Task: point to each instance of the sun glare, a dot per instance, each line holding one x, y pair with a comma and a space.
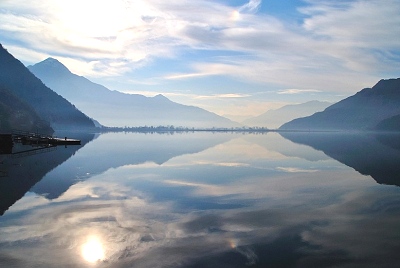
92, 250
235, 15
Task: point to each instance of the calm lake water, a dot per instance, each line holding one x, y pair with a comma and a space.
204, 200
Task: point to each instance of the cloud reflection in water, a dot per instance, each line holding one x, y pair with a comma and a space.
180, 214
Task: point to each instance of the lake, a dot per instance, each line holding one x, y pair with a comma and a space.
204, 199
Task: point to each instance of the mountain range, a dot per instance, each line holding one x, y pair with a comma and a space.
26, 103
25, 92
369, 109
113, 108
275, 118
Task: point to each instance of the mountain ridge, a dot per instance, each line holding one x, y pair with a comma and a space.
50, 106
277, 117
117, 109
361, 111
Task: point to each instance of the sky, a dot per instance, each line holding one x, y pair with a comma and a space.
236, 58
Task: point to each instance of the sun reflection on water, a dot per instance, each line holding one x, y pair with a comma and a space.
232, 243
92, 250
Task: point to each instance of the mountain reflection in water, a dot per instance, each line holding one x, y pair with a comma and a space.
208, 200
374, 154
28, 165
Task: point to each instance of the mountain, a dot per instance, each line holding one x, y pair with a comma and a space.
362, 111
16, 114
113, 108
275, 118
51, 107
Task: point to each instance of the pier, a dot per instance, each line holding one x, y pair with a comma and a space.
36, 140
27, 138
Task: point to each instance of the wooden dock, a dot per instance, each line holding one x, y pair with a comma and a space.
43, 140
65, 141
7, 141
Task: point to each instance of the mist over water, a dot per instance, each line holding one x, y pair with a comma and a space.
204, 200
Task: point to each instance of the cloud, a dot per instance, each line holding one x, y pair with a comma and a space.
251, 6
354, 40
185, 76
105, 32
223, 96
287, 71
297, 91
296, 170
358, 32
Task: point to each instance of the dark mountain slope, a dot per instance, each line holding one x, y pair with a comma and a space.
364, 110
50, 106
113, 108
15, 114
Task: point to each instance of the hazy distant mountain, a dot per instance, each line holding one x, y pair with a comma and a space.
16, 114
364, 110
275, 118
113, 108
50, 106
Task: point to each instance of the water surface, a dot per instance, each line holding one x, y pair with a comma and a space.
204, 200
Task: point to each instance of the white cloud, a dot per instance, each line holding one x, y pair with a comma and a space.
222, 96
296, 170
297, 91
363, 34
187, 75
338, 47
251, 6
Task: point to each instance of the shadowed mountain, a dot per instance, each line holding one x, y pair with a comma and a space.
19, 172
113, 108
376, 155
275, 118
16, 114
364, 110
50, 106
